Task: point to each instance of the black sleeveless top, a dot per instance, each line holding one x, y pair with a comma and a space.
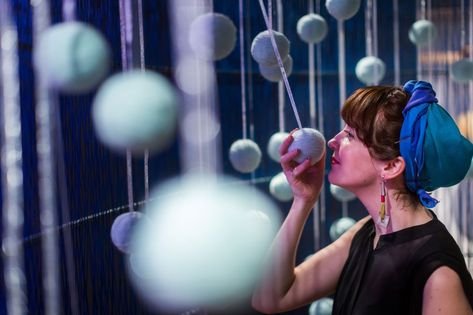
390, 279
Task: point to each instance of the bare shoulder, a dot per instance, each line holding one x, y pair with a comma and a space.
444, 294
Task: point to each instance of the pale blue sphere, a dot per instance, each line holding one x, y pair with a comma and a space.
462, 70
72, 57
422, 32
469, 174
279, 188
323, 306
273, 73
311, 143
370, 70
212, 36
340, 226
122, 229
135, 110
312, 28
245, 155
262, 49
341, 194
274, 145
342, 9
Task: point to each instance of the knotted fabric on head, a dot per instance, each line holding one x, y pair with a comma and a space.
435, 152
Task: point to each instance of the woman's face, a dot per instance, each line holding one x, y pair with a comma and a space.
352, 167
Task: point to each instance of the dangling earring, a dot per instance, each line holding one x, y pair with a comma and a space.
383, 219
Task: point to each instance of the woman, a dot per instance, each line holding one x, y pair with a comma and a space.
396, 145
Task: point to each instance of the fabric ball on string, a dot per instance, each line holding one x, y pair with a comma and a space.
370, 70
245, 155
462, 70
312, 28
274, 144
273, 73
135, 110
279, 188
122, 229
310, 142
212, 36
262, 49
204, 231
342, 9
341, 194
422, 32
72, 57
340, 226
323, 306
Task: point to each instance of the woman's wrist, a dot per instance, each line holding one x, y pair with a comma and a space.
306, 203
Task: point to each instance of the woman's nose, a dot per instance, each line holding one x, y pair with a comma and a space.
332, 144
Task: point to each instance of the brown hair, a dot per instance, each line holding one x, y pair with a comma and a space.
375, 113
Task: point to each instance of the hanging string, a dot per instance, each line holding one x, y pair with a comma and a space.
397, 58
45, 125
375, 29
249, 73
341, 65
312, 114
69, 10
281, 96
368, 28
11, 167
420, 13
242, 69
281, 66
429, 47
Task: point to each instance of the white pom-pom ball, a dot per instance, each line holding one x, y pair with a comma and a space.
342, 9
323, 306
469, 174
340, 226
122, 229
274, 144
212, 36
245, 155
462, 70
341, 194
422, 32
279, 187
312, 28
273, 73
370, 70
72, 57
262, 49
205, 244
310, 142
135, 110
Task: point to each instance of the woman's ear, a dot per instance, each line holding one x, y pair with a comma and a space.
394, 168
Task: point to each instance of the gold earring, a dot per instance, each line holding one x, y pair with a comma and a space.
382, 210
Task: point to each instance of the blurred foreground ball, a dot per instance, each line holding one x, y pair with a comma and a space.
273, 73
341, 194
462, 70
245, 155
312, 28
135, 110
262, 49
342, 9
469, 174
422, 32
122, 229
206, 243
370, 70
340, 226
311, 143
279, 187
323, 306
274, 144
72, 57
212, 36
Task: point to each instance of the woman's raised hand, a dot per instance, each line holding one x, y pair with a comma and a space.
305, 180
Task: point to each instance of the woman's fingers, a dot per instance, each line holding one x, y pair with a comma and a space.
287, 158
299, 169
286, 143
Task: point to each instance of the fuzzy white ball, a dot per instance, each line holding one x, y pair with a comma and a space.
245, 155
273, 73
262, 49
212, 36
342, 9
323, 306
340, 226
274, 144
462, 70
370, 70
311, 143
135, 110
341, 194
422, 32
312, 28
279, 187
72, 57
205, 244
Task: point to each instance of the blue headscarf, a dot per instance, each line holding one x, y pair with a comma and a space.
435, 152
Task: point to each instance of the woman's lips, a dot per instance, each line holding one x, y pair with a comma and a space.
334, 161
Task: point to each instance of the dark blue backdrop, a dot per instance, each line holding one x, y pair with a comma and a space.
96, 177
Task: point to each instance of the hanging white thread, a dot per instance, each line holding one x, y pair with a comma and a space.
242, 68
397, 59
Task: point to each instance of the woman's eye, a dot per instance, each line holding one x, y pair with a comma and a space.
349, 134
